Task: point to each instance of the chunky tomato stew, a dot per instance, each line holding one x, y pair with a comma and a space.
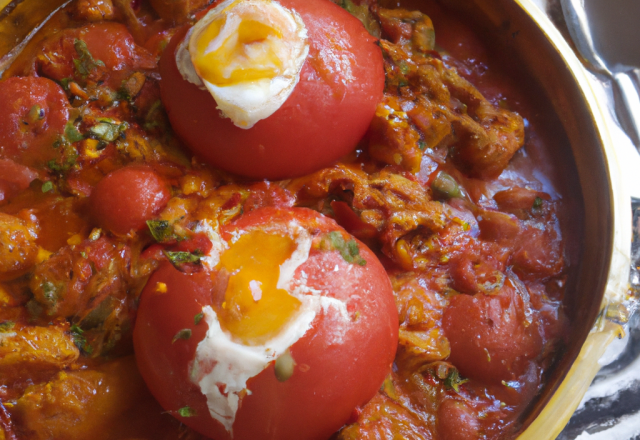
410, 289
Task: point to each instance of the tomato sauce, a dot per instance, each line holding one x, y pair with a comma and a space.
452, 187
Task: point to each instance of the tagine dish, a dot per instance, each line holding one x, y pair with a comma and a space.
261, 219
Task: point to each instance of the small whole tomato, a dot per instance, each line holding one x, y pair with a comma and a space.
126, 198
293, 327
326, 115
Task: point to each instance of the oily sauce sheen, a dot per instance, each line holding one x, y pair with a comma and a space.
451, 188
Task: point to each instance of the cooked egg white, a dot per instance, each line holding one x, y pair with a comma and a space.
222, 359
248, 54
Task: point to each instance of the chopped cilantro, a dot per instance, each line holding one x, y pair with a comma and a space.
453, 380
80, 340
108, 130
186, 411
184, 334
198, 318
161, 230
6, 326
64, 82
47, 186
349, 250
50, 291
537, 203
178, 258
86, 63
71, 133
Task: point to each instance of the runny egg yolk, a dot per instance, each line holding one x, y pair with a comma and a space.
247, 55
253, 308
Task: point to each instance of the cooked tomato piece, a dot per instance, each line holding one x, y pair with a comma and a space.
92, 50
126, 198
323, 119
13, 178
490, 337
34, 112
292, 329
457, 421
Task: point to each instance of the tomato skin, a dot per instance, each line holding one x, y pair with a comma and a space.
488, 336
321, 121
330, 379
14, 178
126, 198
108, 42
23, 137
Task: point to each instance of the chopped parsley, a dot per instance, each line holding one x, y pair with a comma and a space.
184, 334
453, 380
47, 186
71, 133
537, 203
186, 411
108, 130
178, 258
85, 63
6, 326
162, 231
198, 318
80, 340
349, 250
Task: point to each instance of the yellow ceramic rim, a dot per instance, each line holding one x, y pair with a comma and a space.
556, 414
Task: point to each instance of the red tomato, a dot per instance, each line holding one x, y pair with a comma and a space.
489, 338
126, 198
34, 112
13, 178
322, 120
108, 43
340, 361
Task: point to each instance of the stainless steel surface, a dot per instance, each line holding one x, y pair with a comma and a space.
623, 78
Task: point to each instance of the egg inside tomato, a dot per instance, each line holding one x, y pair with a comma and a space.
290, 326
272, 89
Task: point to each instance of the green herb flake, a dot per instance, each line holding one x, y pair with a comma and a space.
79, 339
64, 82
6, 326
537, 203
47, 186
161, 230
422, 145
198, 318
177, 258
183, 334
71, 133
186, 411
349, 250
50, 291
453, 380
108, 130
86, 63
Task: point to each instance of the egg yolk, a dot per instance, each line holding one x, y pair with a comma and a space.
248, 54
254, 309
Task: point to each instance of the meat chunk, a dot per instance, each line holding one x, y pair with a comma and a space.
383, 418
446, 110
421, 338
391, 203
94, 10
28, 350
18, 248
